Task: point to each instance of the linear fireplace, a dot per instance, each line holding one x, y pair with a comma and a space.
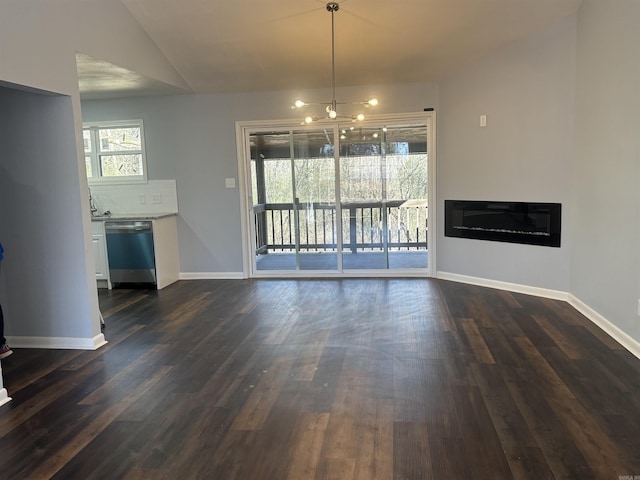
514, 222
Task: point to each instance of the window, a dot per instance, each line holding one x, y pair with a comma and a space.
114, 151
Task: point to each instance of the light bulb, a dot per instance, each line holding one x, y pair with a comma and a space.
373, 102
360, 117
332, 114
298, 104
308, 120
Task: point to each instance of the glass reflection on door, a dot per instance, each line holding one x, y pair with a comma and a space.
383, 197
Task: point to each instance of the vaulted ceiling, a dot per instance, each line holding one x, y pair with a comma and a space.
262, 45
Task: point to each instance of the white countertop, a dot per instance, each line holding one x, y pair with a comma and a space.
131, 216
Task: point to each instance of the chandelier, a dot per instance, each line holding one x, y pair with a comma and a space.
331, 109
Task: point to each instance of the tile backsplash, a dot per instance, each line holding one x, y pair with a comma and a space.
155, 196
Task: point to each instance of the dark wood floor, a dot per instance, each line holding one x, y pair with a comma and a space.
327, 379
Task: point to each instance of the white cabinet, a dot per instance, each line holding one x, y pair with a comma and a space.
99, 242
101, 261
165, 244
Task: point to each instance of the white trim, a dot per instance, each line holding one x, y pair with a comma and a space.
4, 396
244, 190
70, 343
99, 340
615, 332
133, 122
512, 287
432, 209
96, 153
628, 342
211, 276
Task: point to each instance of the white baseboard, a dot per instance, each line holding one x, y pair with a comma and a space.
632, 345
99, 341
4, 396
67, 343
511, 287
616, 333
211, 275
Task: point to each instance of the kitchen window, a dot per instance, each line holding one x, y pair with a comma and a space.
114, 151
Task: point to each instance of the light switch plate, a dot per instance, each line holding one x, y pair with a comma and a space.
230, 182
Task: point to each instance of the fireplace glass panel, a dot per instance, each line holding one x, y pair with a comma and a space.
513, 222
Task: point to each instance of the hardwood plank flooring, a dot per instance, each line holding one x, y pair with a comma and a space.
326, 379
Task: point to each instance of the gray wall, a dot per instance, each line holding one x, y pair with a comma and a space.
44, 274
192, 139
605, 270
523, 154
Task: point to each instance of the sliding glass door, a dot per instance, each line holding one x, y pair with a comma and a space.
338, 198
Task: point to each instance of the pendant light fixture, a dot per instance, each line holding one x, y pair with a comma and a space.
331, 109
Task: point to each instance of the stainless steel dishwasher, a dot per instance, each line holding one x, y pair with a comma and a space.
130, 251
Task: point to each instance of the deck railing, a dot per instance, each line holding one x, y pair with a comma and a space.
366, 226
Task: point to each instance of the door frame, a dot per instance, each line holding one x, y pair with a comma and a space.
243, 128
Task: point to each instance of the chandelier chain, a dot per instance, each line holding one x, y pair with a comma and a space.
332, 108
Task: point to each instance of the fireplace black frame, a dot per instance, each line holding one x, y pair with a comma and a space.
513, 222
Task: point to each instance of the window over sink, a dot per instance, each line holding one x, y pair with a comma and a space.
114, 152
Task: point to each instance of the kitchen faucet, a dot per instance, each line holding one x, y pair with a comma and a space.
91, 204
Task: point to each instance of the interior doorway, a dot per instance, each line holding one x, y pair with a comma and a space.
335, 199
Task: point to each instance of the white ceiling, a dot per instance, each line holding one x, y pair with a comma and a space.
261, 45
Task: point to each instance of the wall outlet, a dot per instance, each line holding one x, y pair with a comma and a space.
142, 199
156, 199
230, 182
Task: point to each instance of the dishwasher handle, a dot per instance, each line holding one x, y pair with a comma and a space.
127, 227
